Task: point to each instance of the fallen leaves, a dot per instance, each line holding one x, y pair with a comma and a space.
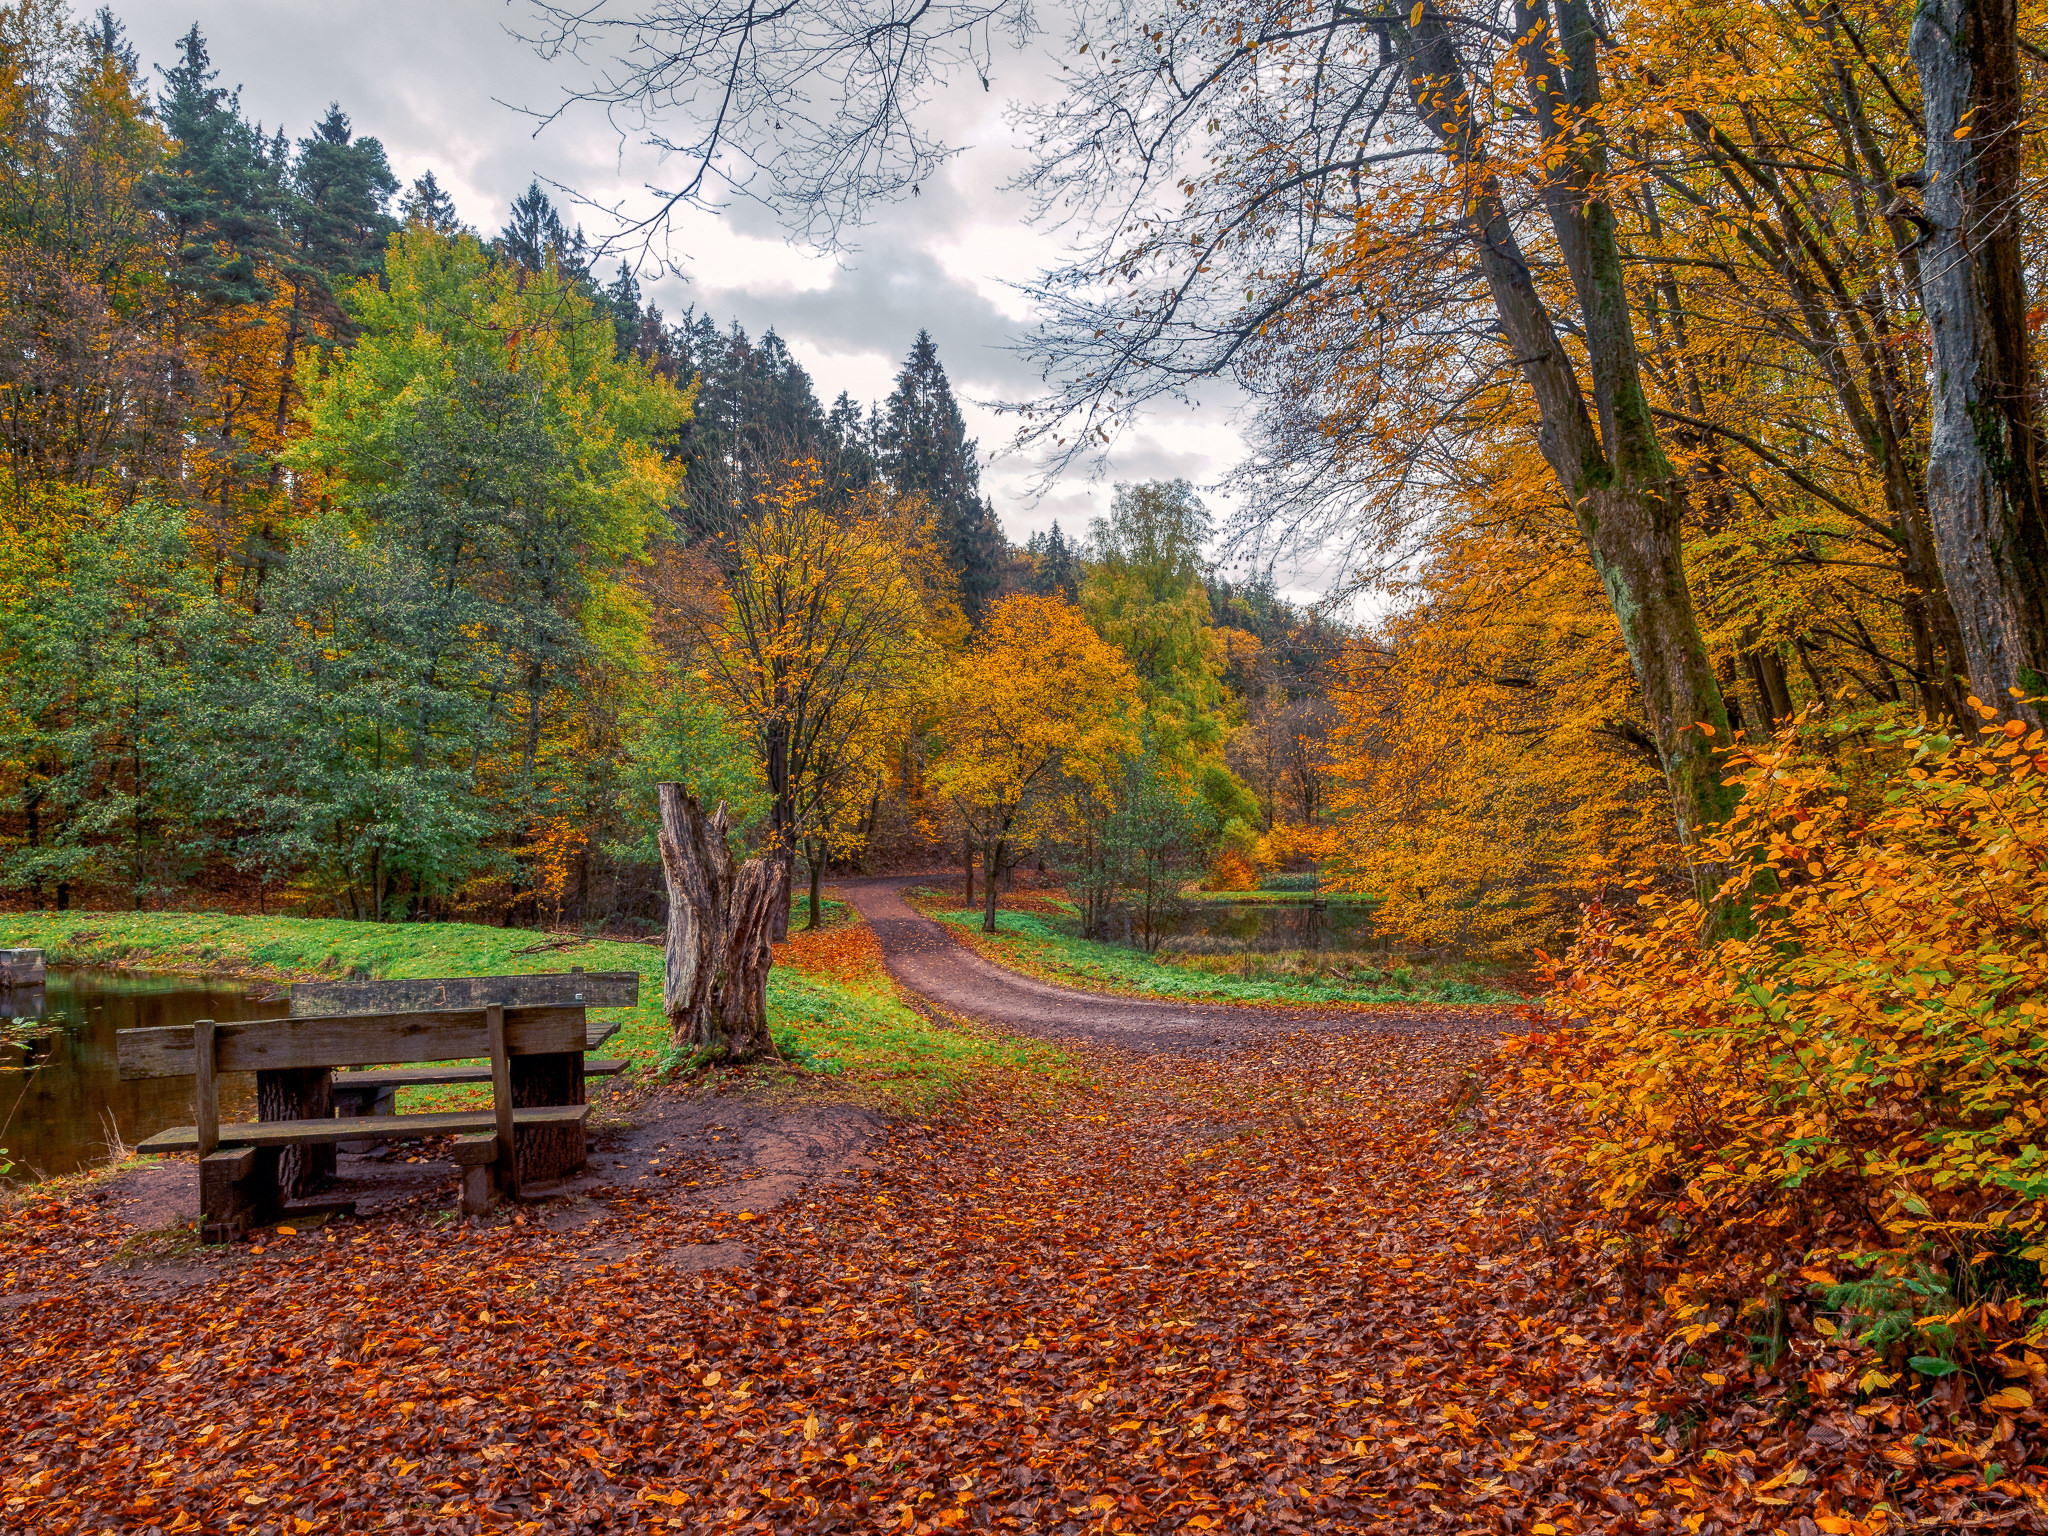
1081, 1310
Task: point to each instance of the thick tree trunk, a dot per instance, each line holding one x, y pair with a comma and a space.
970, 875
1984, 492
720, 922
991, 861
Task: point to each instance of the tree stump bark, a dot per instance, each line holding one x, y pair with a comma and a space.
297, 1093
720, 927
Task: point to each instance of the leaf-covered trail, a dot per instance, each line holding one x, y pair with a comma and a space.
1278, 1290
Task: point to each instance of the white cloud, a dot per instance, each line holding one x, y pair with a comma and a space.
428, 80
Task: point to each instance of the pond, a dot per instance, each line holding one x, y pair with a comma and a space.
62, 1101
1234, 927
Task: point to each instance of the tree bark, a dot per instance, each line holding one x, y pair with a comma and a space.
991, 861
970, 874
720, 926
1984, 492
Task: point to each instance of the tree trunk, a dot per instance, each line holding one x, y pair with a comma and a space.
1984, 493
969, 905
1624, 492
992, 860
719, 946
817, 863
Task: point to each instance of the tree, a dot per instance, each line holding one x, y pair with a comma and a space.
535, 237
1056, 569
817, 100
1037, 706
221, 190
1144, 594
827, 619
755, 411
924, 449
715, 983
1135, 844
427, 203
1983, 472
1461, 181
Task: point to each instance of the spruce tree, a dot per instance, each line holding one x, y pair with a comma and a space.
427, 204
219, 191
756, 410
535, 235
924, 448
343, 184
1055, 565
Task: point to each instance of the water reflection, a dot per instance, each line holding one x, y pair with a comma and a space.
1269, 927
61, 1097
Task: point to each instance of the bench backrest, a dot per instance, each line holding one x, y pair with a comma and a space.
577, 988
349, 1040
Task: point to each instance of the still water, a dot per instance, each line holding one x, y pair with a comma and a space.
61, 1096
1265, 927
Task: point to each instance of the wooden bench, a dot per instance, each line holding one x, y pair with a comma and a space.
531, 1029
544, 1154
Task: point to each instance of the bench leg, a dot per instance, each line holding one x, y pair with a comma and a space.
231, 1194
556, 1151
476, 1189
476, 1156
298, 1093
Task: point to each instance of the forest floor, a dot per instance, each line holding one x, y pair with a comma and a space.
1324, 1279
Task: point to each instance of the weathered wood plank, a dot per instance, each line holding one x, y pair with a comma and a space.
599, 1031
593, 989
284, 1133
501, 1099
351, 1040
377, 1079
205, 1052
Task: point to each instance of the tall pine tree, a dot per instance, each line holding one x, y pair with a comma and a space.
924, 447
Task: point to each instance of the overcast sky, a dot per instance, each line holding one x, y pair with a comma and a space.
426, 77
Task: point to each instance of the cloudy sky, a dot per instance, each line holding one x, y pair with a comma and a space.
427, 78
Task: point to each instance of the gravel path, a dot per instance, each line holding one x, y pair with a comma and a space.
930, 962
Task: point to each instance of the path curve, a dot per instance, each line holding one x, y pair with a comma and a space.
930, 962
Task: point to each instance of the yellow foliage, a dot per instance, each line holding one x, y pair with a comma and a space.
1040, 703
1486, 756
1868, 1058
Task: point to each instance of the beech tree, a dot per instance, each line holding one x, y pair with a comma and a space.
1984, 484
1038, 703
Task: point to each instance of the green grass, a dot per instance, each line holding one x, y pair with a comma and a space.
855, 1029
1048, 947
866, 1032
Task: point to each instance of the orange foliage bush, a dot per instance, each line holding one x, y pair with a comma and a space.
1231, 871
1861, 1065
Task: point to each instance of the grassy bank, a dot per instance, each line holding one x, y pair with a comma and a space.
1045, 944
839, 1022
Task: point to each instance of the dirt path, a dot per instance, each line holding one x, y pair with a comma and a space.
931, 963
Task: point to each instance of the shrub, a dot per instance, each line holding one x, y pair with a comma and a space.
1231, 871
1860, 1062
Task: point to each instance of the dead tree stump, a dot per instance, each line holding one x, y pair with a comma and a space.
720, 922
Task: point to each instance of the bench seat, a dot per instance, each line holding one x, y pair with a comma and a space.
305, 1133
596, 1032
